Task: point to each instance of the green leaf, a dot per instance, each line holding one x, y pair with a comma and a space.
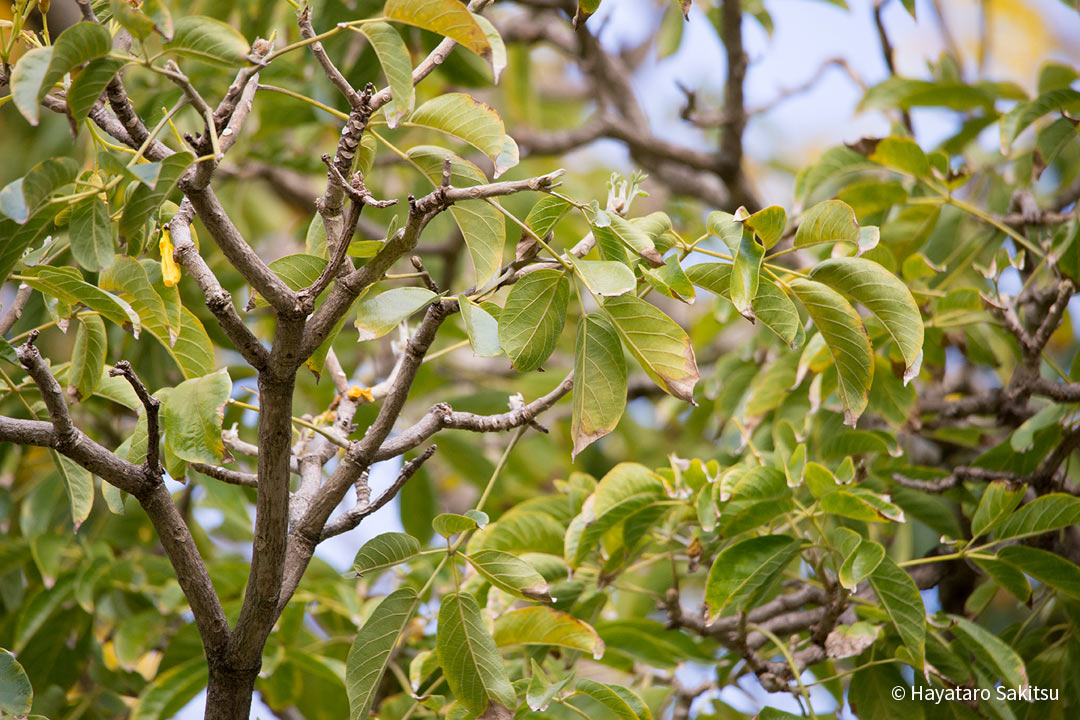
66, 283
861, 563
466, 119
771, 305
87, 85
546, 213
901, 154
385, 551
482, 329
481, 224
27, 82
742, 573
992, 652
671, 280
22, 198
900, 597
380, 314
80, 487
396, 63
508, 573
209, 40
660, 346
997, 503
16, 694
470, 660
171, 690
93, 234
449, 18
605, 277
883, 294
624, 703
129, 279
533, 318
829, 221
144, 201
372, 648
1046, 567
599, 381
1043, 514
87, 356
191, 415
847, 340
768, 224
192, 351
80, 43
521, 531
541, 690
746, 274
448, 524
635, 238
1023, 114
540, 625
859, 503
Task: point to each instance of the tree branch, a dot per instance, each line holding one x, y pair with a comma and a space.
152, 406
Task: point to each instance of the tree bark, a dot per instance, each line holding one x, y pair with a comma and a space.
228, 694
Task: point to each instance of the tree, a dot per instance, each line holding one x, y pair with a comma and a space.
854, 461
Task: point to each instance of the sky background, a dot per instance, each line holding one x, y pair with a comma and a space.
1024, 34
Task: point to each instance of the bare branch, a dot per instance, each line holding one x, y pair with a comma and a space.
15, 310
152, 406
233, 477
332, 73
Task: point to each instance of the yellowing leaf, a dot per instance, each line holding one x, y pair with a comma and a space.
449, 18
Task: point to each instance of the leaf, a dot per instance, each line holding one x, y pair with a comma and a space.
861, 563
448, 524
191, 416
604, 277
466, 119
482, 329
624, 703
742, 573
768, 224
745, 274
847, 641
498, 58
192, 351
26, 82
902, 154
599, 381
471, 663
87, 356
541, 690
129, 279
396, 63
540, 625
546, 213
660, 346
533, 318
521, 531
209, 40
80, 487
93, 234
66, 283
144, 201
829, 221
898, 594
1046, 567
1043, 514
385, 551
1023, 114
22, 198
508, 573
481, 224
449, 18
883, 294
997, 503
635, 238
846, 339
79, 43
771, 305
671, 280
372, 648
16, 694
992, 652
859, 503
171, 690
380, 314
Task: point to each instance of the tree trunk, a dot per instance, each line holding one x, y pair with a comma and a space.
228, 694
